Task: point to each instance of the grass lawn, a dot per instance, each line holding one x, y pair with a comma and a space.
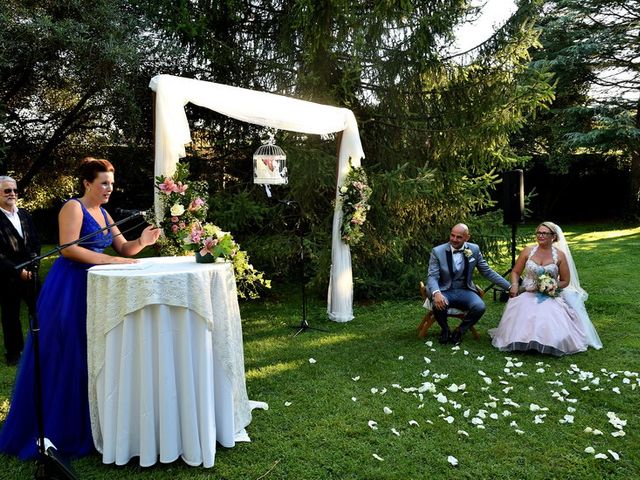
512, 416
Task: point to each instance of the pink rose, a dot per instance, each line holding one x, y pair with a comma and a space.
174, 228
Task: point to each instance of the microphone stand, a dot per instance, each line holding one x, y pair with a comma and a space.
50, 466
304, 324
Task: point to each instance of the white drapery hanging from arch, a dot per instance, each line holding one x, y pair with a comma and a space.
269, 110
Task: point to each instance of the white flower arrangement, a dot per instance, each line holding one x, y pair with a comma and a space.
547, 285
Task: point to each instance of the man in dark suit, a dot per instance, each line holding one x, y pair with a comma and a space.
18, 243
450, 281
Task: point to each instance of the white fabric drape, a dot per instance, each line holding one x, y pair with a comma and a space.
269, 110
573, 293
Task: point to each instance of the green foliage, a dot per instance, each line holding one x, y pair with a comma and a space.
435, 131
75, 89
591, 46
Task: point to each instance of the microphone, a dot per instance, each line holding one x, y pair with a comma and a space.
123, 212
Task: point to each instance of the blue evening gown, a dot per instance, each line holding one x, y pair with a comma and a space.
62, 312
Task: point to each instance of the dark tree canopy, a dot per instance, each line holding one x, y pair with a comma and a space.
436, 129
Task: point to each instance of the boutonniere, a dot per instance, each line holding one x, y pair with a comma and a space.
467, 252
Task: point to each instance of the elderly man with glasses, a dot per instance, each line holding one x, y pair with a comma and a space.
19, 242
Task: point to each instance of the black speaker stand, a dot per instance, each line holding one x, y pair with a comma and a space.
514, 228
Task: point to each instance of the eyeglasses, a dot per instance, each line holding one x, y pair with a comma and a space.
7, 191
544, 234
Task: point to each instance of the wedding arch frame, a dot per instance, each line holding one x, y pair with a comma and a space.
172, 133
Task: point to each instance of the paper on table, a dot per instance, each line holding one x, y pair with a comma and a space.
122, 266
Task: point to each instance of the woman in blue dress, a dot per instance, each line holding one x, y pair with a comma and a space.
62, 309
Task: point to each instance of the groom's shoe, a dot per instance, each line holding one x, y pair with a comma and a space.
444, 337
456, 337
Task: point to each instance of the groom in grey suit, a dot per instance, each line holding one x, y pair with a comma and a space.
450, 281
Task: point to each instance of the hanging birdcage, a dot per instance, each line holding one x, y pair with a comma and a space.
270, 165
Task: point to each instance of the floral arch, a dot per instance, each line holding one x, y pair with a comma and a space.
269, 110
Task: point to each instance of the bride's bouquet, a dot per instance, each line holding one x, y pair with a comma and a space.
547, 285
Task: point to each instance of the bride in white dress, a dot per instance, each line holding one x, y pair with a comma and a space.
546, 322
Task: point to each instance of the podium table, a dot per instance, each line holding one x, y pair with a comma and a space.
166, 362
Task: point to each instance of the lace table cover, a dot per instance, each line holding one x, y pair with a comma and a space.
208, 290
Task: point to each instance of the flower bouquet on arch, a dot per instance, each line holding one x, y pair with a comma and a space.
354, 198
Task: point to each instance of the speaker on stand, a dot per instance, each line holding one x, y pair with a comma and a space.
513, 205
513, 213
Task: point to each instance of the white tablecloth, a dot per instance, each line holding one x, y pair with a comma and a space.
166, 362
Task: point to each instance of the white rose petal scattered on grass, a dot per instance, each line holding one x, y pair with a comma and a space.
378, 457
449, 419
481, 373
519, 432
566, 419
616, 390
354, 399
401, 357
601, 455
427, 360
395, 432
597, 432
387, 411
487, 380
287, 404
588, 430
462, 432
452, 460
312, 360
429, 343
455, 348
618, 433
374, 390
614, 455
590, 450
480, 358
441, 398
413, 423
355, 379
373, 425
